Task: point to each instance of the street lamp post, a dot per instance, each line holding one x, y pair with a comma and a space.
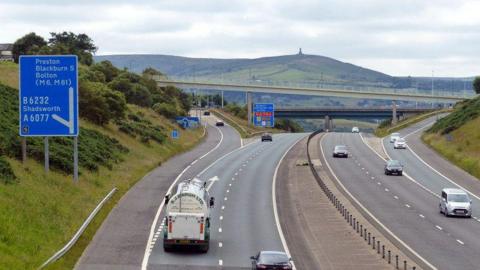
432, 87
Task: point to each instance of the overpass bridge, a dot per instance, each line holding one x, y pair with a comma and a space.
331, 91
345, 113
346, 92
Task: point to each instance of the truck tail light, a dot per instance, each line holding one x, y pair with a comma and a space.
170, 227
201, 228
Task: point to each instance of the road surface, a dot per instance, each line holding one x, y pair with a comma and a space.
408, 207
243, 220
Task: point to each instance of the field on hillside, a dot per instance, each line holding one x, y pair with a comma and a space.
40, 212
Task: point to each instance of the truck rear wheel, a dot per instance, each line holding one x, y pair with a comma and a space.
204, 249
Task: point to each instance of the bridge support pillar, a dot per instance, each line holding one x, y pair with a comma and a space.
249, 107
222, 99
327, 123
394, 113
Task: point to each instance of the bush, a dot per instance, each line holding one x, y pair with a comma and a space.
167, 110
100, 104
6, 173
463, 113
137, 125
288, 125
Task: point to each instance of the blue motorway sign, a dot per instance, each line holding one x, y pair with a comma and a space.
263, 114
188, 121
48, 100
175, 134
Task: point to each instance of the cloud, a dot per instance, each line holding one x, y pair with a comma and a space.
400, 38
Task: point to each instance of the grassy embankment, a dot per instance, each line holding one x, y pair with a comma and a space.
386, 130
457, 136
40, 212
241, 125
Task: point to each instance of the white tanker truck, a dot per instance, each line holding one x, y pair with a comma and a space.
187, 217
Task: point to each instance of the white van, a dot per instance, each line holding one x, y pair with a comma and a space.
455, 202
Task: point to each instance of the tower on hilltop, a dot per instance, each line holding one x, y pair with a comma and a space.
300, 51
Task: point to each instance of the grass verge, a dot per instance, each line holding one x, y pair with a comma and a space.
384, 131
461, 146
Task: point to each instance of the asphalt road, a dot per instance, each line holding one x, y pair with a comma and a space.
121, 240
243, 221
405, 207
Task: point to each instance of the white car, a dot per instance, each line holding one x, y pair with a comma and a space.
394, 136
400, 143
355, 130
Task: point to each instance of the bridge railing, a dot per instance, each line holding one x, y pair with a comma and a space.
325, 85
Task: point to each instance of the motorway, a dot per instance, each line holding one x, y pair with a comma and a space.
243, 221
407, 205
120, 241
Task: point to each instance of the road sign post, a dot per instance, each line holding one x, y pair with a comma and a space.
48, 100
47, 157
175, 134
263, 115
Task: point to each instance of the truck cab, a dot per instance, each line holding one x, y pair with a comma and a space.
187, 217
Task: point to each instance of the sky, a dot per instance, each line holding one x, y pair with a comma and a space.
401, 38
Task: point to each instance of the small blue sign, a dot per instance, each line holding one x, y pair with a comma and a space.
263, 115
48, 99
175, 134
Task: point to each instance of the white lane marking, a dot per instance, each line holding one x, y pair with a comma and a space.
220, 262
396, 197
236, 174
387, 190
212, 181
442, 175
220, 244
225, 198
221, 217
228, 190
230, 184
460, 242
233, 178
378, 183
373, 178
404, 173
223, 207
219, 229
195, 161
240, 169
218, 144
417, 130
368, 212
438, 227
274, 199
367, 172
422, 216
408, 206
244, 165
363, 168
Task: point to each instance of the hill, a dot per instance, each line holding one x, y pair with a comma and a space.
297, 68
40, 212
293, 68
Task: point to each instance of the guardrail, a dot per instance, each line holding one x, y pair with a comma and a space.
359, 228
77, 235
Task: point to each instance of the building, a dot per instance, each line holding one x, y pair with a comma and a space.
6, 52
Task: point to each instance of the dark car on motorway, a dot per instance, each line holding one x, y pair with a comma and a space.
206, 113
266, 137
393, 167
340, 151
219, 123
272, 260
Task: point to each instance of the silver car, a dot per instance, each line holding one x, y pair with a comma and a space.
340, 151
455, 202
400, 143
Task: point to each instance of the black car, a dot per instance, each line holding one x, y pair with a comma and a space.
267, 137
272, 260
219, 123
206, 113
393, 167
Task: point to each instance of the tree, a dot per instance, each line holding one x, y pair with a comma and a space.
29, 44
108, 69
476, 84
70, 43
